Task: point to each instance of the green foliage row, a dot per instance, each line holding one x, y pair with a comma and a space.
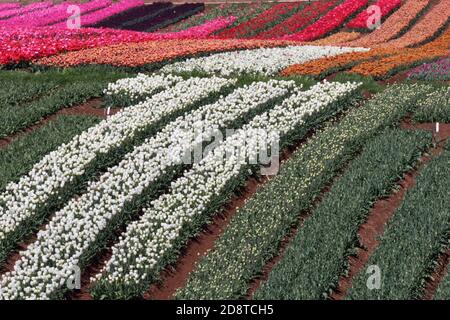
253, 235
414, 237
318, 254
20, 155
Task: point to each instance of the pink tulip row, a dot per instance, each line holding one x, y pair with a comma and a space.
102, 14
19, 11
54, 14
329, 22
28, 43
385, 7
197, 32
9, 6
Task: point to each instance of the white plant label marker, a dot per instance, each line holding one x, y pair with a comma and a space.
437, 127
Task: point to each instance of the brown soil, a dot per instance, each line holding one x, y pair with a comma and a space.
437, 276
92, 107
384, 209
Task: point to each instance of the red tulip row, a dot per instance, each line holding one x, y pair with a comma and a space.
260, 21
329, 22
385, 7
309, 13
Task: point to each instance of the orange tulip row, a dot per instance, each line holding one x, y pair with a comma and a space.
429, 25
337, 38
143, 53
324, 66
406, 58
393, 25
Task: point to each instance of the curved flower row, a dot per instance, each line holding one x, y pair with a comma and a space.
260, 21
265, 61
337, 38
55, 14
9, 6
306, 15
147, 241
264, 220
393, 25
326, 65
439, 70
138, 13
19, 11
127, 91
91, 19
330, 21
73, 229
385, 6
26, 43
23, 200
428, 26
197, 32
38, 18
137, 54
406, 58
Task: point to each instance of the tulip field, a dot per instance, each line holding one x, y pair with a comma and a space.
225, 151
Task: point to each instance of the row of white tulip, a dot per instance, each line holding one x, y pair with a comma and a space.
128, 90
46, 265
145, 242
21, 200
266, 61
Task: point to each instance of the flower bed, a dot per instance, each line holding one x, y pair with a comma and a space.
142, 251
150, 52
74, 159
152, 10
337, 38
96, 18
9, 6
439, 70
266, 61
329, 22
382, 68
19, 11
385, 6
263, 221
116, 189
18, 44
325, 66
306, 15
437, 18
261, 21
197, 32
167, 17
393, 25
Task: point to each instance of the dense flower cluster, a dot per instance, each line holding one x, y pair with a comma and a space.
425, 28
147, 240
385, 6
306, 15
75, 227
265, 61
393, 25
439, 70
27, 43
405, 58
9, 6
128, 91
197, 32
260, 21
339, 38
19, 11
92, 17
137, 54
330, 21
321, 66
61, 166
